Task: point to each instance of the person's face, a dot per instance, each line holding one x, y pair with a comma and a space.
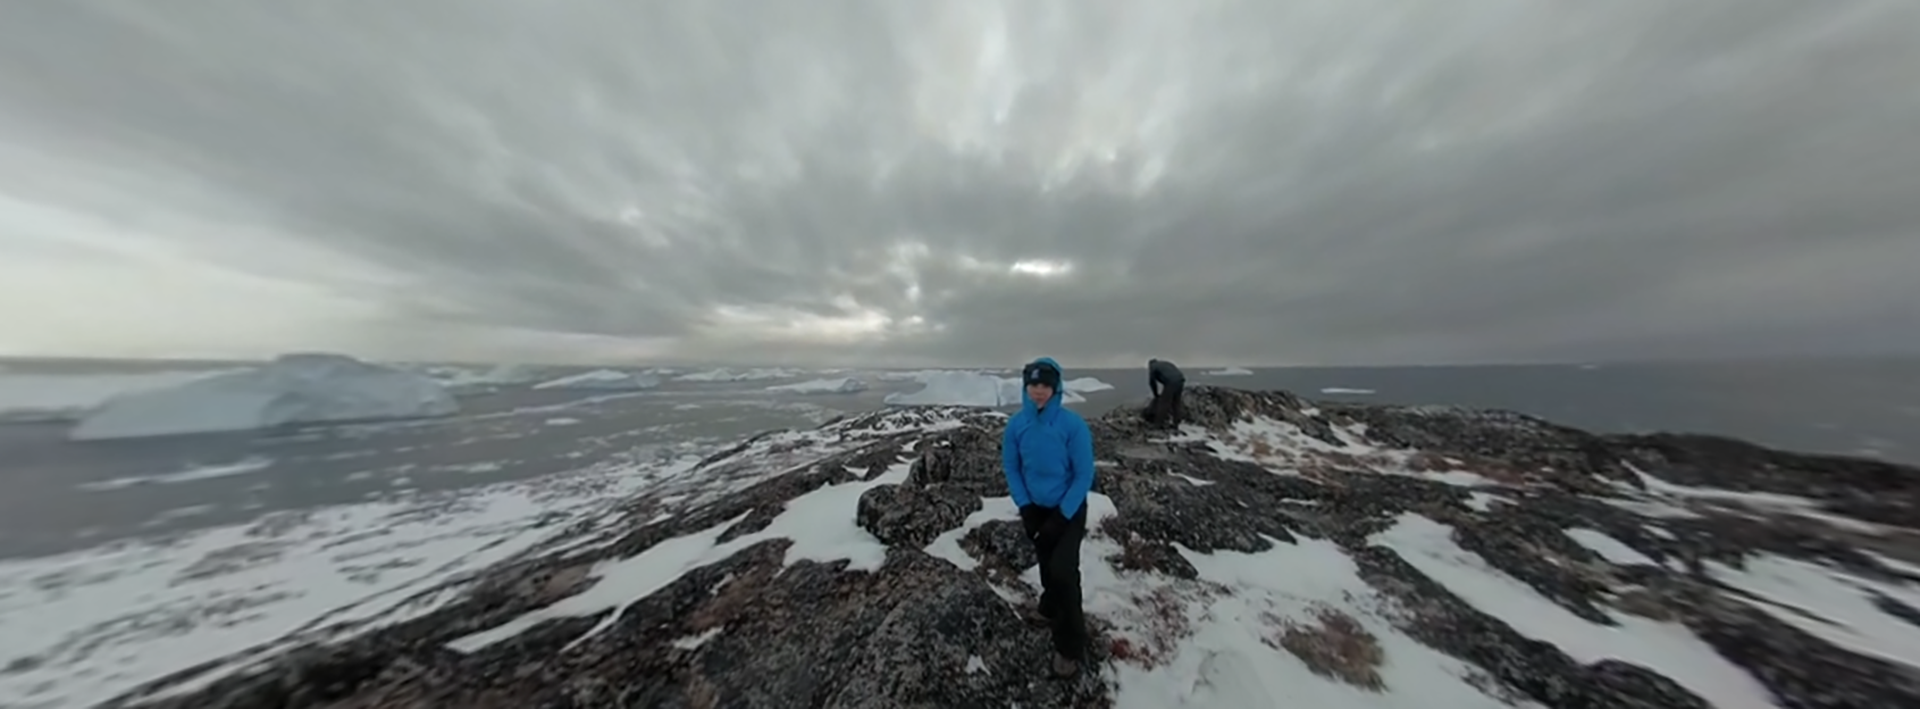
1039, 393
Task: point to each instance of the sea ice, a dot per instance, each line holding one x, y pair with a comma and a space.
252, 464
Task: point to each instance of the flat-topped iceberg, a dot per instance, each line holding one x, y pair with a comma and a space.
291, 390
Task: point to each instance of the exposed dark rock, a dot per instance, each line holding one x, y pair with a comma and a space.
947, 460
911, 516
750, 629
1001, 547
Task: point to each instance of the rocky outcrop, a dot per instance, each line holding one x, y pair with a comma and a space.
929, 612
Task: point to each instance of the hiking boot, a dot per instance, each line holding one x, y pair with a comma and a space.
1038, 613
1064, 666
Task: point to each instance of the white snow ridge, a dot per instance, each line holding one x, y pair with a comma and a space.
1270, 554
293, 389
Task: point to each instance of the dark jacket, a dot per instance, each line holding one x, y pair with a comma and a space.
1164, 373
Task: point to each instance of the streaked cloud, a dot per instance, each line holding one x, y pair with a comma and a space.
1101, 180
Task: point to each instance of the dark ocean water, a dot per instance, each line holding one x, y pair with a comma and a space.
57, 496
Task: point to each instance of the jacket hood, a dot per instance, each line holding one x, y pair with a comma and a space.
1060, 394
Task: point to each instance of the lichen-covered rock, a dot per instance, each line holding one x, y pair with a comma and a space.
1001, 548
911, 516
911, 588
961, 459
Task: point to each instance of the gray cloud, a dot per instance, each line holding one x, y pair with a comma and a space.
1228, 181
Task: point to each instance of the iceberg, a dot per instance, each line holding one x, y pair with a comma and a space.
1085, 384
724, 374
67, 397
920, 375
480, 380
958, 389
602, 380
839, 385
949, 388
293, 389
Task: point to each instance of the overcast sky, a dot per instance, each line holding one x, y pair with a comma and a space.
964, 182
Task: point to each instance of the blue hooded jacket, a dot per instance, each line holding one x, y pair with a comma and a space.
1047, 453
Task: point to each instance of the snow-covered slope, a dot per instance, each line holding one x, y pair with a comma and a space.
602, 380
1275, 553
293, 389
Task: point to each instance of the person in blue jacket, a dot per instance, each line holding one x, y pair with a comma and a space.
1047, 454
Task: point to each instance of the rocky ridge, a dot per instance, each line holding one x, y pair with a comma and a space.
1273, 548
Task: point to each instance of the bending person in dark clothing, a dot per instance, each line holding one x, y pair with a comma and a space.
1167, 382
1047, 454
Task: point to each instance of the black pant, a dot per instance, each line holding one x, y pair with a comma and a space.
1059, 553
1166, 409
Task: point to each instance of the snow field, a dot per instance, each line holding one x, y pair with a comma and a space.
820, 524
85, 626
1834, 605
